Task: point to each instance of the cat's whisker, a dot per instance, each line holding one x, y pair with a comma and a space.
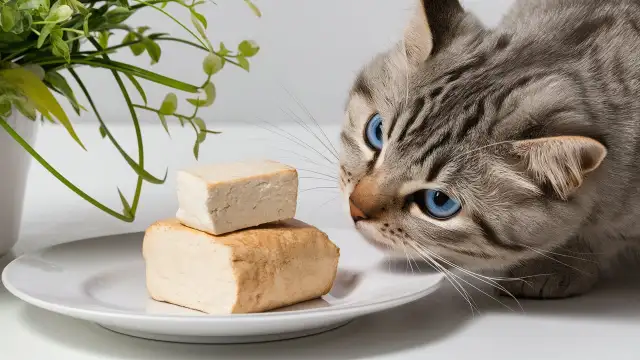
558, 261
306, 127
417, 249
299, 141
299, 156
316, 178
563, 255
581, 253
406, 254
452, 280
325, 204
306, 110
481, 278
319, 173
320, 188
449, 276
290, 138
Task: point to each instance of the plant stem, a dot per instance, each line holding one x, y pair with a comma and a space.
136, 125
143, 107
135, 166
59, 176
177, 22
187, 42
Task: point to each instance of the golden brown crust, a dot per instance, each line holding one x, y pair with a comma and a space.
275, 265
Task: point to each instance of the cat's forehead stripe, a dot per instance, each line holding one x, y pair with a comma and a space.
361, 88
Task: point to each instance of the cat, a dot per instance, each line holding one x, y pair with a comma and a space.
513, 148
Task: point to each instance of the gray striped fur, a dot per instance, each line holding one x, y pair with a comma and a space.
461, 106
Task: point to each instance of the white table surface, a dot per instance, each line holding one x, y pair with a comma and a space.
440, 326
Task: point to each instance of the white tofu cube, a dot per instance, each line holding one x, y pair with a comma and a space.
223, 198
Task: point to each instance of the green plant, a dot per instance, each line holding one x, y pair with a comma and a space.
40, 40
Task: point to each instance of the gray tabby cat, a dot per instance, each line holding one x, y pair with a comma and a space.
512, 148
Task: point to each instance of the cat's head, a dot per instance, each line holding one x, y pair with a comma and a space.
467, 144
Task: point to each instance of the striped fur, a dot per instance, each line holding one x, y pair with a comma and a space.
533, 126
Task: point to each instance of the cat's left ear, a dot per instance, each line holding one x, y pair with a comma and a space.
560, 162
432, 26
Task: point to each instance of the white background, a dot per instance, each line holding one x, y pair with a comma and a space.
311, 48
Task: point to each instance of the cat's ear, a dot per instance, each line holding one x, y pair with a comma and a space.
432, 25
560, 163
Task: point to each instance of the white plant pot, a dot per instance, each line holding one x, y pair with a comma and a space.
14, 168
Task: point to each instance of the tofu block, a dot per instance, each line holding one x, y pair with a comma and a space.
220, 199
250, 271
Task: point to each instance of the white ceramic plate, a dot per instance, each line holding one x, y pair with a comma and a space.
103, 280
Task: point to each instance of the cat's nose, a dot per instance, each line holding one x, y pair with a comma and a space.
356, 213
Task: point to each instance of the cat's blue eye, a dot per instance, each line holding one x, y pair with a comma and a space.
437, 204
374, 134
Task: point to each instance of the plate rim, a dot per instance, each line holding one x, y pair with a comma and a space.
89, 314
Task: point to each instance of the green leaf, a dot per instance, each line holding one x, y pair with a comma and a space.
210, 92
253, 8
200, 124
197, 102
59, 46
118, 15
60, 83
163, 121
132, 70
103, 131
25, 21
153, 49
42, 5
135, 83
169, 105
8, 17
138, 168
26, 108
126, 208
248, 48
202, 136
59, 14
223, 50
38, 93
212, 132
44, 34
196, 150
210, 96
199, 17
243, 62
198, 26
5, 107
103, 38
123, 3
77, 6
143, 29
85, 25
212, 64
138, 47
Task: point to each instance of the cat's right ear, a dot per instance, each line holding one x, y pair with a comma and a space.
432, 26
